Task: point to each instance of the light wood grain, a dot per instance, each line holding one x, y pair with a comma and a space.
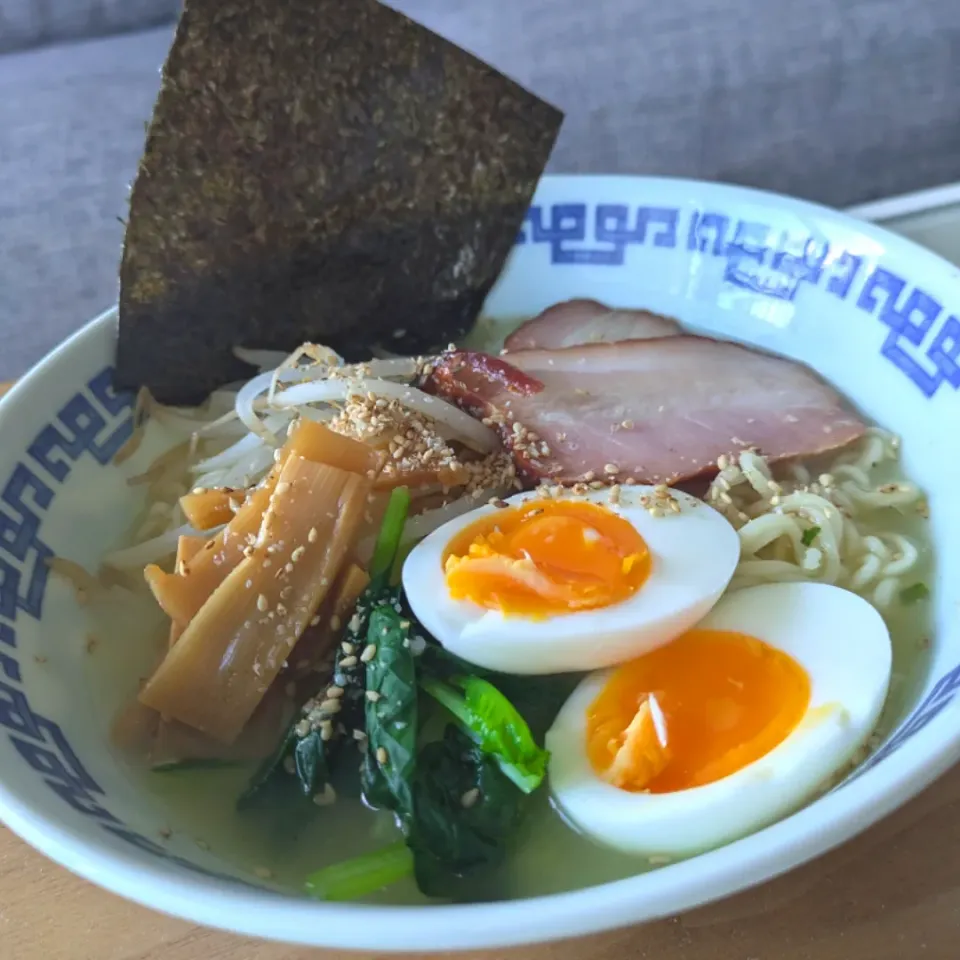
891, 894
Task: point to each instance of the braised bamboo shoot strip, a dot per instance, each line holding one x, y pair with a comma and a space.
319, 639
182, 596
175, 743
232, 650
187, 548
206, 509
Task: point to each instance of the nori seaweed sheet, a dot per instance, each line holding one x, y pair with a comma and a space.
317, 170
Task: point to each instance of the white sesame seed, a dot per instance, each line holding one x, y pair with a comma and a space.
262, 603
369, 652
469, 798
610, 468
373, 696
348, 662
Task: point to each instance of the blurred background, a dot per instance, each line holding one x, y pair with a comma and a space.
840, 101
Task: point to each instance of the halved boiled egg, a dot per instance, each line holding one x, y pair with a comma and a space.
733, 725
570, 583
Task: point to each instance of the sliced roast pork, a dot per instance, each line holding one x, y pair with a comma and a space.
575, 322
658, 411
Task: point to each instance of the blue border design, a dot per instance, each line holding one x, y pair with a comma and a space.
922, 342
95, 422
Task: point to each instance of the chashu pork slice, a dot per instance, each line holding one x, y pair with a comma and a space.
575, 322
657, 411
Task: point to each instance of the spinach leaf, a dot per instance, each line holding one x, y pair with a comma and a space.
495, 725
809, 535
391, 713
361, 875
388, 539
264, 774
914, 593
312, 763
466, 811
538, 699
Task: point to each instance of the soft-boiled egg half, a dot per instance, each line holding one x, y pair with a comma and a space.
733, 725
545, 585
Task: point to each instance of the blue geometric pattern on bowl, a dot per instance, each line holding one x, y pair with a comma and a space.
922, 343
95, 422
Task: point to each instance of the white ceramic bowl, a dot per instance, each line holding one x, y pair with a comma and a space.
873, 313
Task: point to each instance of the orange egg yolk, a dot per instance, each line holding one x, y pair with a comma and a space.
547, 557
694, 711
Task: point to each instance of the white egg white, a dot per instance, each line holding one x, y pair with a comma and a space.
842, 643
693, 556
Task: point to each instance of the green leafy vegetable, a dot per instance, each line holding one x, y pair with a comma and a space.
809, 535
312, 763
388, 539
914, 593
495, 725
264, 774
391, 713
362, 875
538, 699
466, 811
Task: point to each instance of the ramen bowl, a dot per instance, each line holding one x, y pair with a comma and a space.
872, 313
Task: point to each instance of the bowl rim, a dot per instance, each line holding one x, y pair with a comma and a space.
832, 819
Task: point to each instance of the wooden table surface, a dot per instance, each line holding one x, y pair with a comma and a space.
891, 894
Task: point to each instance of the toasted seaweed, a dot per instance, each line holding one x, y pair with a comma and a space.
317, 170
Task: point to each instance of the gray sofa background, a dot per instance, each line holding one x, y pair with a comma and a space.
839, 101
